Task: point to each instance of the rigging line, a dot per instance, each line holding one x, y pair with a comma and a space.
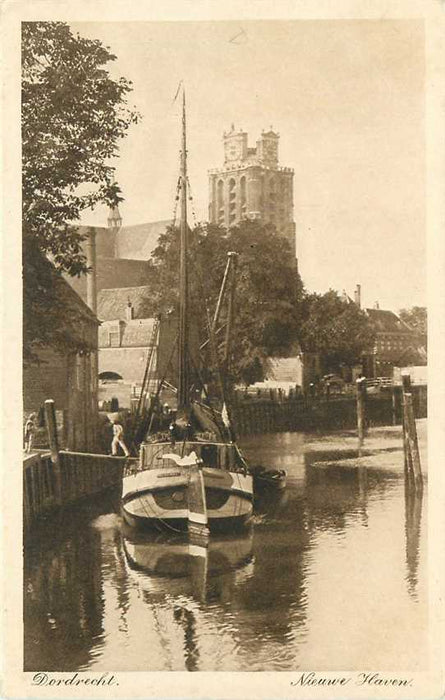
167, 367
192, 201
147, 374
175, 206
177, 92
212, 410
213, 348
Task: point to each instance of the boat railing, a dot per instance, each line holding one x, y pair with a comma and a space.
218, 455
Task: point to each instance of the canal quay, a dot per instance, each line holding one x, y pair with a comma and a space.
331, 574
224, 455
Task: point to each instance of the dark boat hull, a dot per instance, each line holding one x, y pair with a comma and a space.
221, 525
158, 499
268, 479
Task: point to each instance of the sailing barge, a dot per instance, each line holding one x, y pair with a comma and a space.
195, 478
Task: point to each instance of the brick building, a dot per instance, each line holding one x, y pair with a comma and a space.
68, 377
127, 338
252, 185
396, 344
121, 253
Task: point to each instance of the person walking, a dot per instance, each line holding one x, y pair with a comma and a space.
118, 439
30, 428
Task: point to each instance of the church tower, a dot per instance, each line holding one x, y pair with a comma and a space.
251, 184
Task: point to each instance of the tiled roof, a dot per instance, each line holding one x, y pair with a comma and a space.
387, 322
112, 303
139, 241
121, 273
112, 273
105, 240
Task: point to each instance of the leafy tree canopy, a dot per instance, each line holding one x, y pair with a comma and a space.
335, 328
73, 117
416, 318
268, 288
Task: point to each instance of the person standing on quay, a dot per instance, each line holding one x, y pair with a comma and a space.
118, 439
29, 432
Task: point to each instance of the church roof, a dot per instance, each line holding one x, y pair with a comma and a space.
139, 241
112, 273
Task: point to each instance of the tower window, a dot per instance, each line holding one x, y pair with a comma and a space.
243, 190
220, 194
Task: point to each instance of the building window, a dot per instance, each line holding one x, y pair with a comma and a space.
113, 339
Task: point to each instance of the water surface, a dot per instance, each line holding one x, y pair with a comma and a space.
331, 576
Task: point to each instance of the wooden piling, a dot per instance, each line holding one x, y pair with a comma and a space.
412, 443
394, 404
51, 427
407, 461
361, 408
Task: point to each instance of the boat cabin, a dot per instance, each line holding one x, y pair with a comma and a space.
218, 455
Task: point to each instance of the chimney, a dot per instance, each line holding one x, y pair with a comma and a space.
358, 296
129, 311
90, 250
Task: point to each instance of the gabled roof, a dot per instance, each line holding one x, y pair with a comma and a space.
112, 273
112, 303
385, 321
139, 241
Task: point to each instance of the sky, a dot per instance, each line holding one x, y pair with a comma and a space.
346, 96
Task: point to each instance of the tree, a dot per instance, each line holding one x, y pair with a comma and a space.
336, 329
73, 117
417, 319
268, 288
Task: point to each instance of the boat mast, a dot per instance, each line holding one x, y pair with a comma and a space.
183, 378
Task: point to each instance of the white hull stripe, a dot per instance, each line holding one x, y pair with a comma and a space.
198, 518
196, 551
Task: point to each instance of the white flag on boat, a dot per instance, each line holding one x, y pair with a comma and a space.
187, 461
225, 416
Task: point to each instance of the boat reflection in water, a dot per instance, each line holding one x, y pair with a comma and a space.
177, 566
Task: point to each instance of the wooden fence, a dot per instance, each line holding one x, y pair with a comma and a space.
338, 412
47, 485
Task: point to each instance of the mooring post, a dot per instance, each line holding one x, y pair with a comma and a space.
51, 427
412, 442
407, 460
394, 404
361, 408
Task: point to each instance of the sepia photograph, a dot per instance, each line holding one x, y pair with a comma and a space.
225, 389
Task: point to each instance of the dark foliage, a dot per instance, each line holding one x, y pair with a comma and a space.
73, 117
268, 288
336, 329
